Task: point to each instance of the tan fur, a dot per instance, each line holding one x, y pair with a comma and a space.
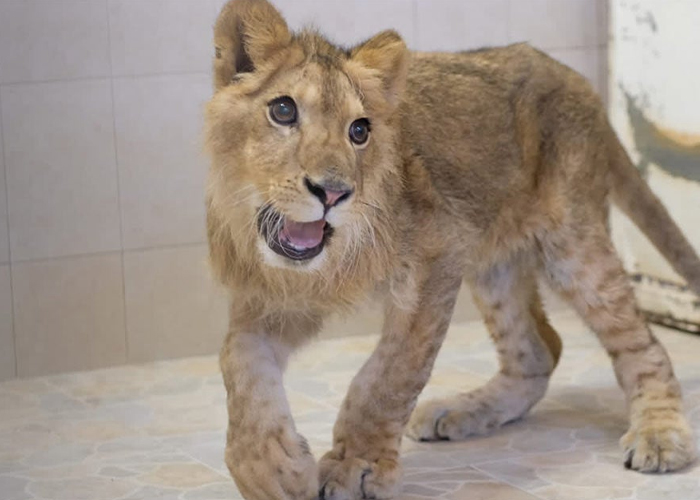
487, 166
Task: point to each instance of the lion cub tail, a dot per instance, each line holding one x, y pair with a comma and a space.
633, 196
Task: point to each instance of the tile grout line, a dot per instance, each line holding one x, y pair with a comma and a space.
203, 73
562, 48
54, 80
509, 35
105, 77
218, 473
9, 247
168, 246
414, 8
119, 194
530, 454
502, 481
605, 23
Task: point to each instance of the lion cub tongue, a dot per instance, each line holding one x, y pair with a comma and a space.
303, 234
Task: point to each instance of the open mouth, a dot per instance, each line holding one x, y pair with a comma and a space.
295, 240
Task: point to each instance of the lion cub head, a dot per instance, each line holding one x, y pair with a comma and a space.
302, 139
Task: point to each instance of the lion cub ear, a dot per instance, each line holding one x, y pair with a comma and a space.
386, 57
246, 34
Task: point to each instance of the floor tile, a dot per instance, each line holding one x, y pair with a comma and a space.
156, 431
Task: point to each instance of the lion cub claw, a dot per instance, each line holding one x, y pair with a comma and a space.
358, 479
659, 445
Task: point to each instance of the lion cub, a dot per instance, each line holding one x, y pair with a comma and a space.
339, 172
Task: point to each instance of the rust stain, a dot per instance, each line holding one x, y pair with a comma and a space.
676, 152
683, 138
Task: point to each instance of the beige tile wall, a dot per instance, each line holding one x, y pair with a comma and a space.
102, 251
68, 313
7, 344
61, 168
161, 167
173, 310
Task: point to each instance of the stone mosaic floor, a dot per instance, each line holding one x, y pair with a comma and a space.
157, 431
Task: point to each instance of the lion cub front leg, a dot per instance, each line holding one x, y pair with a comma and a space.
266, 456
364, 462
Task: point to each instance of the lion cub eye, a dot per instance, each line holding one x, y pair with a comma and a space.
359, 131
283, 110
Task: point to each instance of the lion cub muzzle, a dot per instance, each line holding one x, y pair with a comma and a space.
330, 192
297, 240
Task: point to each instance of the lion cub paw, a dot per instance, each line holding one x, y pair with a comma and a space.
446, 420
358, 479
281, 467
659, 444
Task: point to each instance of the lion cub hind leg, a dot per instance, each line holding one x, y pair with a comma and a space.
528, 350
584, 266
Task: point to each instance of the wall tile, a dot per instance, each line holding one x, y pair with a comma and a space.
555, 24
61, 172
585, 61
603, 22
162, 169
49, 39
329, 17
450, 25
69, 314
173, 307
349, 23
161, 36
7, 341
374, 16
4, 234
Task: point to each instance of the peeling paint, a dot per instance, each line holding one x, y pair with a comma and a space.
648, 19
656, 111
668, 303
678, 153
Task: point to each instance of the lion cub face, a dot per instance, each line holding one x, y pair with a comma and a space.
304, 142
301, 145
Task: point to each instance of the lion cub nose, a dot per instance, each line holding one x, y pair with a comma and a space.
330, 193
